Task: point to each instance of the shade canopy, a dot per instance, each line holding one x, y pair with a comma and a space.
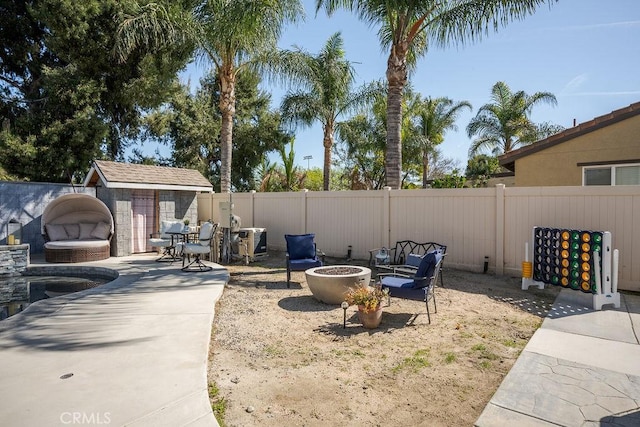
75, 208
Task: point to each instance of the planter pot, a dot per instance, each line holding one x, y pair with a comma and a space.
331, 284
372, 319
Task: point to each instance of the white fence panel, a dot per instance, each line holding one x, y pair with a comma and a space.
587, 208
462, 219
341, 219
280, 214
473, 223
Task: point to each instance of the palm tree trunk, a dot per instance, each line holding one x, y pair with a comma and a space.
228, 110
327, 141
425, 169
397, 79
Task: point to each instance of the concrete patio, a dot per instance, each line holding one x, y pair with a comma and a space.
581, 368
131, 352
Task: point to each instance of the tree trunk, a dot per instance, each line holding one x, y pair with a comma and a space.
397, 79
327, 141
228, 110
425, 168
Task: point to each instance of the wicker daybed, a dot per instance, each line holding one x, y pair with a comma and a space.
77, 228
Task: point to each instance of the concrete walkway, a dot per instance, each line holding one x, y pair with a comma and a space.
581, 368
131, 352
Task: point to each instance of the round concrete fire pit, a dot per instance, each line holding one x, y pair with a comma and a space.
330, 284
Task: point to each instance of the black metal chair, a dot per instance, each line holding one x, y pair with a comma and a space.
400, 256
420, 285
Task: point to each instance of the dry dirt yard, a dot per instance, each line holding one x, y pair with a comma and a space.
279, 357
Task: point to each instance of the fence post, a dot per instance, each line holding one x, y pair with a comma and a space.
252, 194
500, 229
304, 193
386, 217
212, 213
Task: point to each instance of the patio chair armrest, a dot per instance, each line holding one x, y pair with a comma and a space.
395, 274
405, 269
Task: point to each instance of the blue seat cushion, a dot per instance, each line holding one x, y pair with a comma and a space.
397, 282
402, 287
304, 264
408, 293
300, 246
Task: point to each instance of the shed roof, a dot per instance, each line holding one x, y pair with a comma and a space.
508, 160
130, 175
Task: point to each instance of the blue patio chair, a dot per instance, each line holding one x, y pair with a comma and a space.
302, 254
420, 285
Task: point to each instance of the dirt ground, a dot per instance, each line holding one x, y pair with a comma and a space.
279, 357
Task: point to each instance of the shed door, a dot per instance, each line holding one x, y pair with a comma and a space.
143, 210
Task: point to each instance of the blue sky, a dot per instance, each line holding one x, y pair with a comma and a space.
586, 52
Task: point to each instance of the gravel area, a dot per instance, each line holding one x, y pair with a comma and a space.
279, 357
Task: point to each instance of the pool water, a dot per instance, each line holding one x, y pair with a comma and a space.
17, 292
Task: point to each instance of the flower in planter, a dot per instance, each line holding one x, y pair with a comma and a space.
186, 222
367, 298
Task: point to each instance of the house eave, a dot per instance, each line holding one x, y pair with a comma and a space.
137, 185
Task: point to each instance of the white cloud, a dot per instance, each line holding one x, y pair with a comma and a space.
574, 83
603, 25
604, 93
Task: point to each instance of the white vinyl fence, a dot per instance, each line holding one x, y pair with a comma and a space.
473, 223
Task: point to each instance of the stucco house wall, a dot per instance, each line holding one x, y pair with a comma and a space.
560, 160
560, 165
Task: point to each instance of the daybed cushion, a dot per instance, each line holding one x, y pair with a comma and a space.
73, 230
85, 231
56, 232
101, 231
76, 244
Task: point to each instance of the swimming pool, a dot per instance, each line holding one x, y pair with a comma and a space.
18, 292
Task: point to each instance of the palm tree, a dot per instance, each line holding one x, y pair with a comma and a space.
266, 175
434, 118
504, 124
362, 140
230, 35
327, 80
292, 177
407, 27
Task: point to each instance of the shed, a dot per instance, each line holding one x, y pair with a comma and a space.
141, 196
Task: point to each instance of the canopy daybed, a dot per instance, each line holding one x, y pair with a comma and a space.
77, 228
